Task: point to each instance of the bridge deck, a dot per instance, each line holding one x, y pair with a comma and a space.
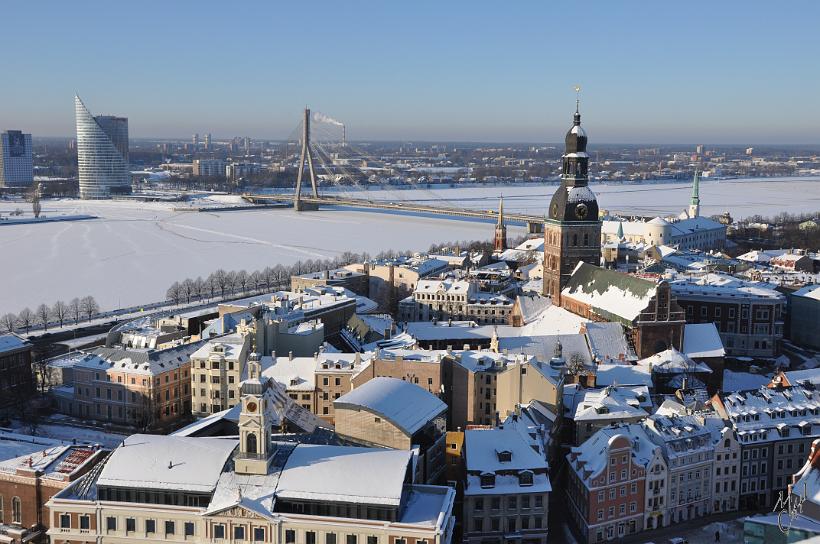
401, 206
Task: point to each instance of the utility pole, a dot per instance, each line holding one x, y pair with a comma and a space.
306, 153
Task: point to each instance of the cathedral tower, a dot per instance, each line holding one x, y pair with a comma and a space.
572, 230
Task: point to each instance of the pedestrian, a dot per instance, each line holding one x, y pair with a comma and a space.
717, 535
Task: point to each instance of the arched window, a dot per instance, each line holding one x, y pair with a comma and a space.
250, 443
16, 510
586, 239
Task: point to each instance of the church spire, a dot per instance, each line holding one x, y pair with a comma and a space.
694, 205
500, 240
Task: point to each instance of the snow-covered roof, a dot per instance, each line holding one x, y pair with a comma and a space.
607, 342
447, 285
167, 462
229, 346
299, 373
406, 405
54, 463
809, 291
672, 361
622, 374
767, 414
611, 402
608, 292
702, 340
590, 458
344, 474
740, 381
532, 306
9, 342
504, 453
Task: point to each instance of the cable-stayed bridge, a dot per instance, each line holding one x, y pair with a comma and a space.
322, 153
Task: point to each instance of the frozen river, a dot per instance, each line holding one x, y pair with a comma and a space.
135, 250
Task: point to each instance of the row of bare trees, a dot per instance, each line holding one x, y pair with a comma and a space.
60, 313
222, 283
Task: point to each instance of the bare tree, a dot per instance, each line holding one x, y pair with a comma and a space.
173, 294
9, 322
25, 318
60, 311
89, 306
221, 280
212, 284
43, 315
188, 289
269, 275
255, 280
199, 287
75, 310
36, 207
241, 280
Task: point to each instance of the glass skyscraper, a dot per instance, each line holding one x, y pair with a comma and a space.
16, 168
102, 153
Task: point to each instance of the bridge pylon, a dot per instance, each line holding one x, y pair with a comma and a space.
306, 153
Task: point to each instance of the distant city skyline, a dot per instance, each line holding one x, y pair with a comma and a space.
660, 73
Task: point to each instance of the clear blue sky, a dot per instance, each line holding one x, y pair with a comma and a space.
651, 72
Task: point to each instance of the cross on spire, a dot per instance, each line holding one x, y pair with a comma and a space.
577, 99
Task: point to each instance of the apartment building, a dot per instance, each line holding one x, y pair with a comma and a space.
749, 315
217, 370
689, 453
775, 427
148, 389
452, 299
506, 490
606, 483
16, 377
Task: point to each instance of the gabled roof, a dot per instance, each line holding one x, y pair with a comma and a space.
609, 293
406, 405
701, 340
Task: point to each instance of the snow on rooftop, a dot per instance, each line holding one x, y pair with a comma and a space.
9, 342
167, 462
622, 374
701, 340
809, 291
344, 474
404, 404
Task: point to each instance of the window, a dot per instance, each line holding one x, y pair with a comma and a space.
525, 478
487, 480
512, 502
479, 505
169, 527
496, 503
150, 526
189, 528
65, 521
110, 522
330, 538
219, 531
290, 536
351, 539
239, 532
372, 540
539, 501
310, 537
600, 515
130, 525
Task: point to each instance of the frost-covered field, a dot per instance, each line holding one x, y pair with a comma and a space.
135, 250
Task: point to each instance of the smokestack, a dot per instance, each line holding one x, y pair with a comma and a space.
344, 136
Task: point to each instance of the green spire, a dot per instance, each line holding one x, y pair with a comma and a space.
620, 230
696, 190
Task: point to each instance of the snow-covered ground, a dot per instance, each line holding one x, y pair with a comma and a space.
134, 251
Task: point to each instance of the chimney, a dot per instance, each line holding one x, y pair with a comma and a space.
290, 356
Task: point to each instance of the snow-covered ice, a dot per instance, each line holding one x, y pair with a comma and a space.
136, 250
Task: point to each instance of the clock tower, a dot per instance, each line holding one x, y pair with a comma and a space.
572, 230
255, 447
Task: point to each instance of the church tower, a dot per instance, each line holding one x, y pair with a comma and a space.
572, 230
694, 205
500, 241
255, 446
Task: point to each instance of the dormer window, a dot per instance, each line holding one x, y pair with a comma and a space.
487, 480
525, 478
504, 456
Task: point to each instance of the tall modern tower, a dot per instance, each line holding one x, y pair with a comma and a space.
572, 230
102, 153
16, 167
